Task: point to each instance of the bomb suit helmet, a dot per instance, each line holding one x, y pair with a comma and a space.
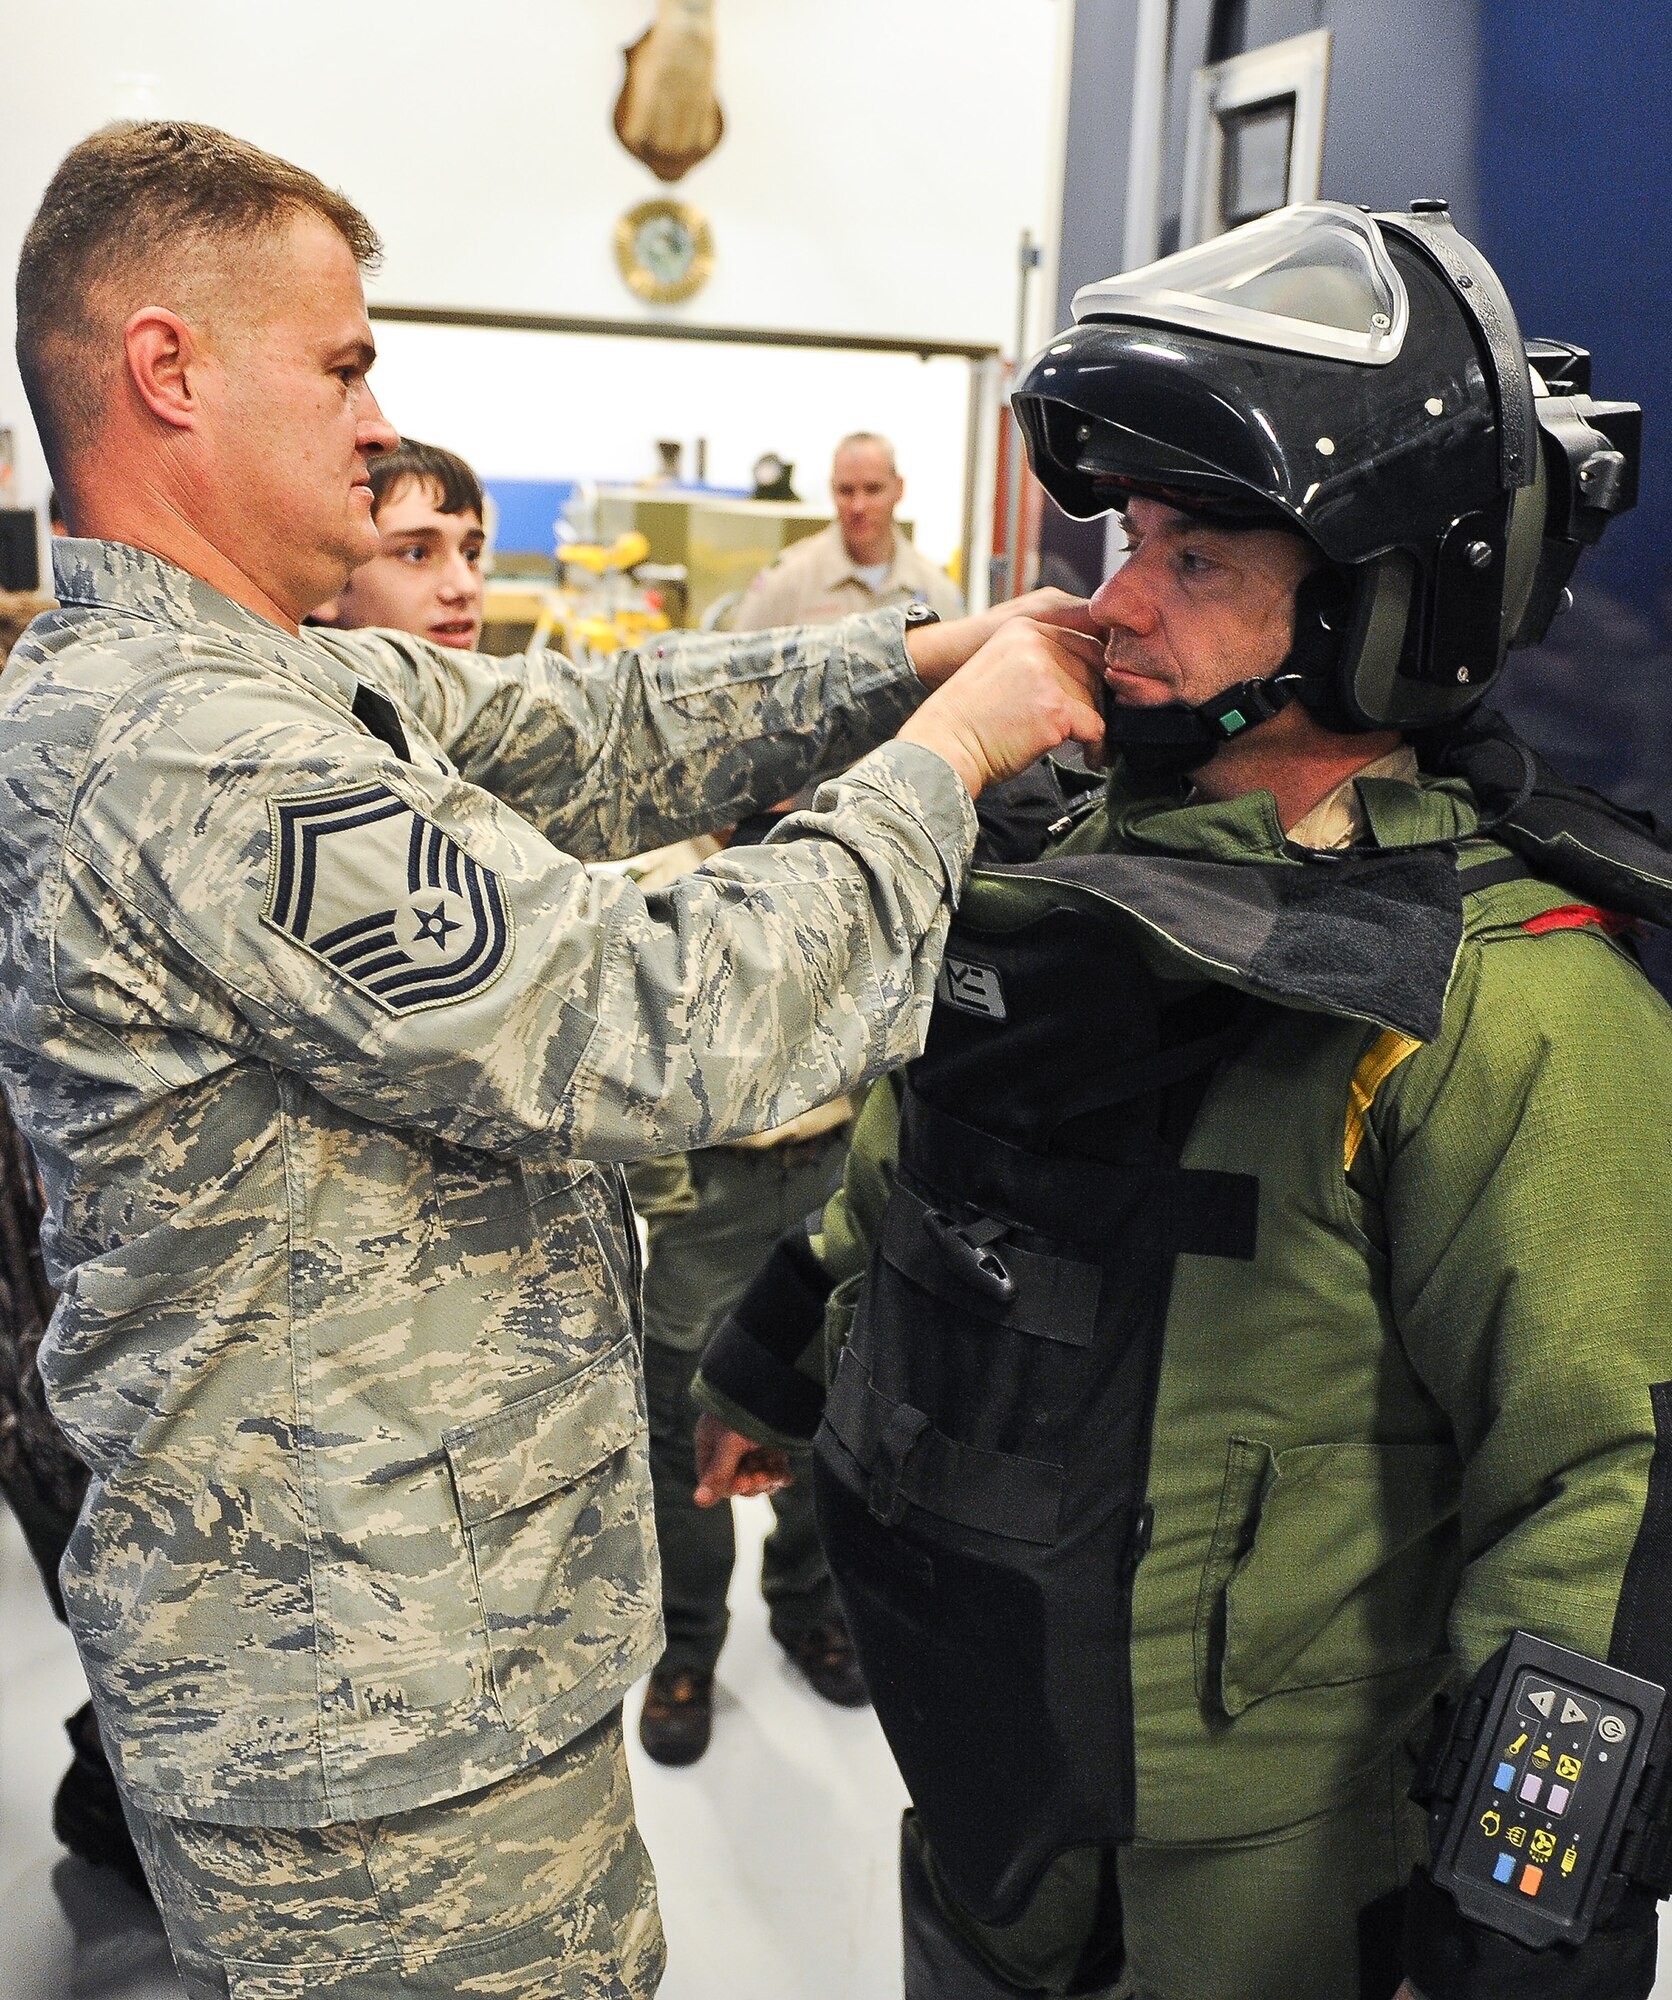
1360, 379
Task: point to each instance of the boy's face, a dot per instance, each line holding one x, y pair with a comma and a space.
426, 577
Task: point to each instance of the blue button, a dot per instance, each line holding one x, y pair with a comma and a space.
1503, 1868
1505, 1778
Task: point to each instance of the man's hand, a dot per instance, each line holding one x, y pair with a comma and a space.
733, 1467
939, 650
1030, 688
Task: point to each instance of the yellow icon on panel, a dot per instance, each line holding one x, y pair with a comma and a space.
1568, 1860
1516, 1836
1541, 1756
1516, 1748
1568, 1768
1544, 1844
1490, 1822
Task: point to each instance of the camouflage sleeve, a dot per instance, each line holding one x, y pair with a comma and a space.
282, 886
692, 732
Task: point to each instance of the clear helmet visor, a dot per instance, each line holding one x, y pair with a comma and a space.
1314, 278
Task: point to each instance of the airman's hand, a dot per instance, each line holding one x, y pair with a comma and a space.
733, 1467
939, 650
1030, 688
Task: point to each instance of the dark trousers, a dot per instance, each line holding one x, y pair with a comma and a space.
1304, 1912
699, 1265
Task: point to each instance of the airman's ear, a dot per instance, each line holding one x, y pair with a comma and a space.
163, 354
328, 613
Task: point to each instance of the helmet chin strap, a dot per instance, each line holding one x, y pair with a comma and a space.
1174, 738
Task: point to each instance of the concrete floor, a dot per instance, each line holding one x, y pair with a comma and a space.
775, 1854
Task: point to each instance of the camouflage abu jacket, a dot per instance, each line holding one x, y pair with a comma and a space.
322, 1041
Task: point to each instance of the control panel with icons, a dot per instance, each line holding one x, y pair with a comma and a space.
1553, 1774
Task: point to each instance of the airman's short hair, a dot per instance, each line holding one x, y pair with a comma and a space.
132, 206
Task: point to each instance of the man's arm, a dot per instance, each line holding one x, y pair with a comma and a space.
1525, 1162
418, 952
690, 732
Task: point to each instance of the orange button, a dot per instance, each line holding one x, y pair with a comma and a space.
1530, 1879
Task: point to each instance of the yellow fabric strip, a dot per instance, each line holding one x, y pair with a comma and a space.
1379, 1062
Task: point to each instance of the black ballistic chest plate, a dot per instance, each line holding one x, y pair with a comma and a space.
983, 1463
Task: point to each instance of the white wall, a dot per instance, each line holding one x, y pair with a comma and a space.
531, 405
880, 161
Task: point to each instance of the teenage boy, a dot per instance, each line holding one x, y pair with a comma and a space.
426, 577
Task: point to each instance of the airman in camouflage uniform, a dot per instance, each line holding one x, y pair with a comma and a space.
41, 1478
327, 1045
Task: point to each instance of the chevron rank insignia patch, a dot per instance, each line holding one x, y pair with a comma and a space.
386, 898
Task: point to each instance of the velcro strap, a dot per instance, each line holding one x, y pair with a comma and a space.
907, 1461
764, 1383
1055, 1297
1440, 1774
899, 1439
1489, 874
1446, 1957
783, 1309
1645, 1851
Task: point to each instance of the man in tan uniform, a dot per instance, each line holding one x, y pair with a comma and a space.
859, 562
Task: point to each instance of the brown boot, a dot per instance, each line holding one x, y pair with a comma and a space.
825, 1656
678, 1715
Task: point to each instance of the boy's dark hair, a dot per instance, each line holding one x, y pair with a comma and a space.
133, 199
428, 465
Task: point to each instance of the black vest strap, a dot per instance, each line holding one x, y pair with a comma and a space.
909, 1460
1488, 874
981, 1477
1053, 1298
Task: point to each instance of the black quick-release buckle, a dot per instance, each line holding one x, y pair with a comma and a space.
885, 1502
967, 1252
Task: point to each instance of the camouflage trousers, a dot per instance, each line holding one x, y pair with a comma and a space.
535, 1888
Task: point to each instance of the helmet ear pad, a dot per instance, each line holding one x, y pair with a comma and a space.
1351, 637
1353, 631
1356, 648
